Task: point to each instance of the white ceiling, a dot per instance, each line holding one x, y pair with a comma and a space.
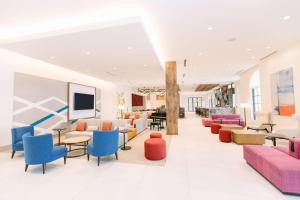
177, 29
121, 54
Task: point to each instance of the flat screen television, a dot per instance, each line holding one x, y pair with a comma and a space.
83, 101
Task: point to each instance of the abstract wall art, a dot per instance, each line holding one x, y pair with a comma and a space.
282, 88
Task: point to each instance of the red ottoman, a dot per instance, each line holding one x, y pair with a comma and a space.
155, 135
225, 135
215, 128
155, 149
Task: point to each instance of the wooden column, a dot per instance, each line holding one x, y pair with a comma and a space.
172, 98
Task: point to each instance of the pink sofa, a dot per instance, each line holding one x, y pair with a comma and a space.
223, 119
281, 166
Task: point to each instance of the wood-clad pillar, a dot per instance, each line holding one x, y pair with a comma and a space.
172, 98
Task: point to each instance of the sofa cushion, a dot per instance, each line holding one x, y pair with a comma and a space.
81, 126
284, 172
92, 128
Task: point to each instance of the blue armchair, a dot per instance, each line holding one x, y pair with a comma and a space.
40, 150
17, 134
104, 143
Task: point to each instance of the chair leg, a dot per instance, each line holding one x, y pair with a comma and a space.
88, 157
12, 155
26, 167
44, 168
98, 160
117, 157
65, 159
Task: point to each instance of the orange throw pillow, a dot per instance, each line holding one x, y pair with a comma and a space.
106, 126
81, 126
137, 116
127, 115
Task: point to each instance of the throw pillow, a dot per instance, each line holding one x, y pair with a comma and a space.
81, 126
106, 126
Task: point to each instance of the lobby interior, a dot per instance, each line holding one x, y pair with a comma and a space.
141, 99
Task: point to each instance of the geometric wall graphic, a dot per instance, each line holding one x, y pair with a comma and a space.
41, 102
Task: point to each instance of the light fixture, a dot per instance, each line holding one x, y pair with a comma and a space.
129, 48
200, 53
248, 49
145, 65
51, 57
286, 17
210, 28
268, 47
115, 68
253, 57
87, 53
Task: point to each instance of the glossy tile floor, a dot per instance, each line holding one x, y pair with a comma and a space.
198, 167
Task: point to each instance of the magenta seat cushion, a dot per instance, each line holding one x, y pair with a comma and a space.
276, 165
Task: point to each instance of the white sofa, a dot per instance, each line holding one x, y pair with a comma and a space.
141, 123
98, 122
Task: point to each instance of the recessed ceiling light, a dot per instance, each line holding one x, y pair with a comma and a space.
87, 53
253, 57
145, 66
129, 48
210, 28
286, 17
115, 68
232, 39
248, 49
200, 53
51, 57
268, 47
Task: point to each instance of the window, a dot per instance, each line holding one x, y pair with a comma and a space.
255, 94
194, 102
256, 101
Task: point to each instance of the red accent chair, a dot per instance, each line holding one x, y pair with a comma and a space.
214, 128
225, 135
155, 149
155, 135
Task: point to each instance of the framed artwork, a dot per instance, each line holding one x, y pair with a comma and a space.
283, 100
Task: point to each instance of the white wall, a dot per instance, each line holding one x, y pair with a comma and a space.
284, 59
153, 103
12, 62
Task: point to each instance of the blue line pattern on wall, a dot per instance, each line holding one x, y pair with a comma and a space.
48, 116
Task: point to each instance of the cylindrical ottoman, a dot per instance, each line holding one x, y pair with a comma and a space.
225, 135
155, 135
155, 149
214, 128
